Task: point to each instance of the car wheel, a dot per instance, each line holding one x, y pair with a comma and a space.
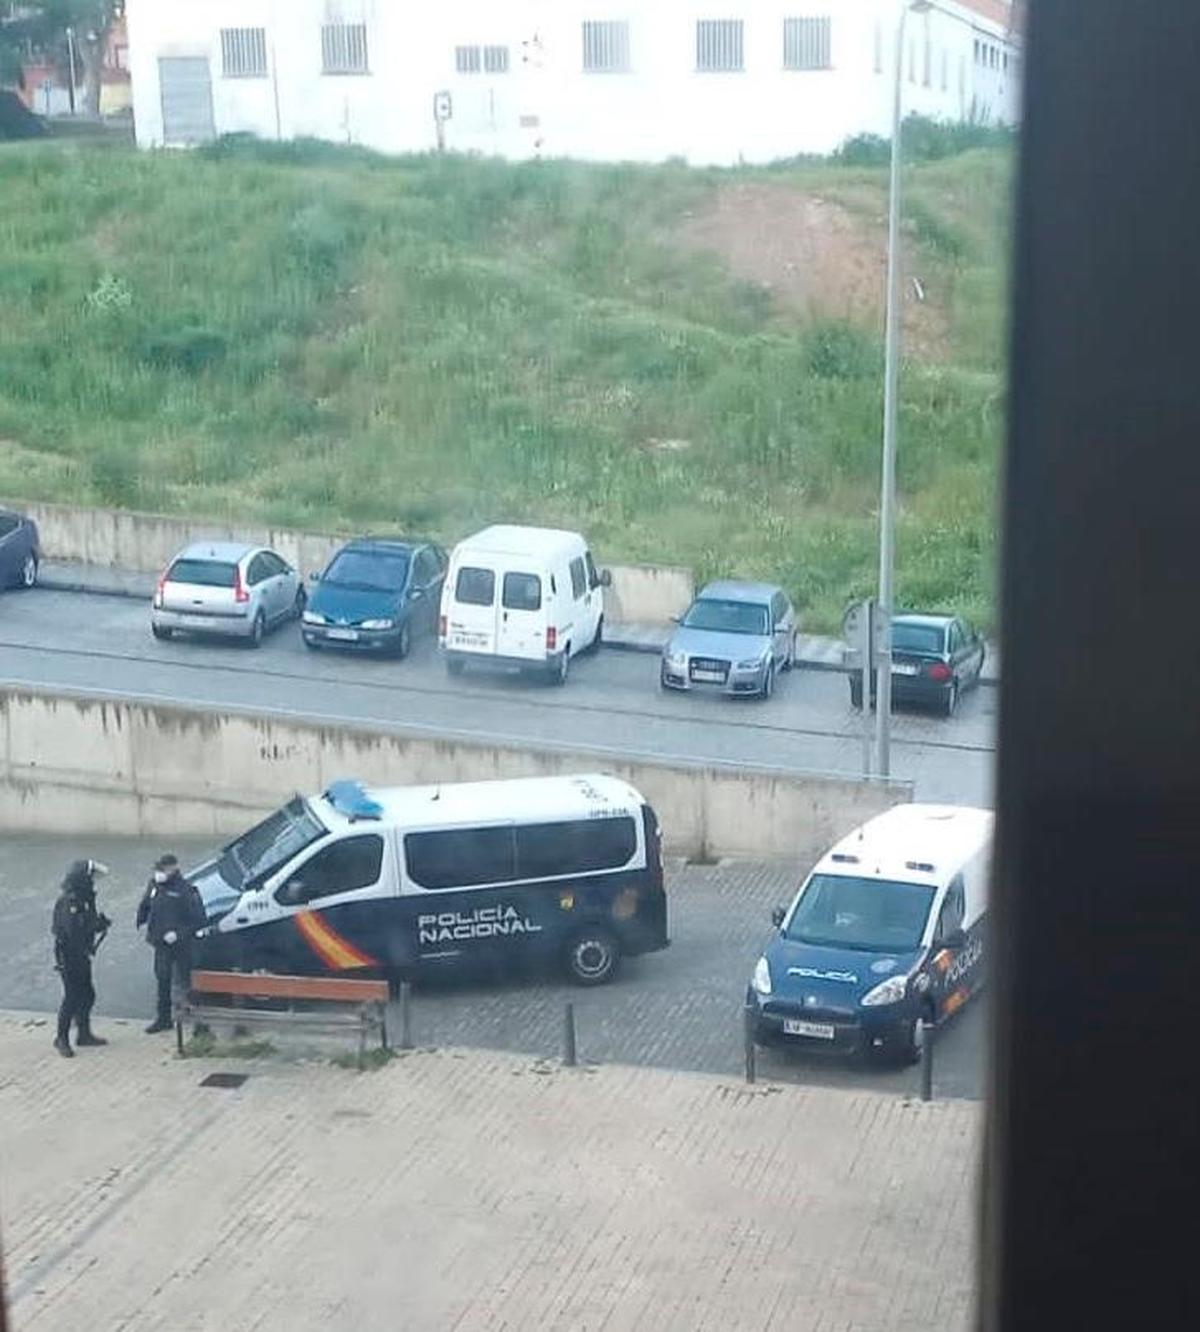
856, 694
163, 634
405, 641
790, 660
299, 604
908, 1050
768, 684
950, 702
593, 956
258, 630
29, 571
454, 666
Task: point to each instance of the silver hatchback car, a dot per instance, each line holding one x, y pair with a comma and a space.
735, 638
228, 589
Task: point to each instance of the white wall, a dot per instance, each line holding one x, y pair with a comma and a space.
547, 105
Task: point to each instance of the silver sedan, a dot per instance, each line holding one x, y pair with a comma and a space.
735, 639
228, 589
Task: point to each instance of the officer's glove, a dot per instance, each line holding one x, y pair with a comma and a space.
170, 937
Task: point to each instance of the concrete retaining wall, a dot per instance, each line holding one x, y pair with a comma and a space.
85, 765
146, 542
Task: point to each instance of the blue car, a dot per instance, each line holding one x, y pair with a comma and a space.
377, 596
886, 934
20, 550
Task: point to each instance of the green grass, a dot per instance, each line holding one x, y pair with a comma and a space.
332, 340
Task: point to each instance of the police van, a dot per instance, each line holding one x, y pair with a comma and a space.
888, 930
400, 880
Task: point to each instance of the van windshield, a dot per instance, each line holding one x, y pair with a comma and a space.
874, 915
261, 851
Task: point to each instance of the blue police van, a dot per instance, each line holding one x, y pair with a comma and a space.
887, 931
397, 881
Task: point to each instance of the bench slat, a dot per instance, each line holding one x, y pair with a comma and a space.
202, 1013
269, 986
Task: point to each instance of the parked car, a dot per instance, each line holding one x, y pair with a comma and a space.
20, 550
226, 588
935, 659
377, 596
735, 637
529, 598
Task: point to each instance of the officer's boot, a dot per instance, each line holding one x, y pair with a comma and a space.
86, 1035
62, 1042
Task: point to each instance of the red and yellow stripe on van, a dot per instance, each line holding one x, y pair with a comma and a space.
336, 952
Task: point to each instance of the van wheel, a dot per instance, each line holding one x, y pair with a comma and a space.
856, 694
599, 639
163, 634
561, 668
454, 666
593, 956
908, 1050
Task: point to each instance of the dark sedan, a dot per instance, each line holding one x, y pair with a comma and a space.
376, 595
935, 660
20, 550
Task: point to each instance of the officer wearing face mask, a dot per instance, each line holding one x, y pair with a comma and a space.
172, 911
78, 930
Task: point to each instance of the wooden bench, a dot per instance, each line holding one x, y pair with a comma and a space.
344, 1003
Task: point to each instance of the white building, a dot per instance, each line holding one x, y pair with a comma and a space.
710, 81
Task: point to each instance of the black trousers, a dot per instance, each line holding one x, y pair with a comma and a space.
172, 962
78, 997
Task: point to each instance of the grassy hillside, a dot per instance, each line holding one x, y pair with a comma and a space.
326, 339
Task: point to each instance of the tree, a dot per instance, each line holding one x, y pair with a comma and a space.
56, 28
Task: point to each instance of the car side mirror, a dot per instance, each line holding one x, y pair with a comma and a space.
955, 939
415, 594
777, 916
314, 577
606, 578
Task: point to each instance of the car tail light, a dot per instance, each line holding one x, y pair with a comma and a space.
158, 591
551, 639
442, 626
240, 594
939, 671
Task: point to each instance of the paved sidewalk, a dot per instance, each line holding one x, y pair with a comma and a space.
467, 1190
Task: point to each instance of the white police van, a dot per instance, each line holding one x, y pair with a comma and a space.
395, 881
888, 930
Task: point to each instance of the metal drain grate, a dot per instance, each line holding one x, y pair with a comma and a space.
227, 1080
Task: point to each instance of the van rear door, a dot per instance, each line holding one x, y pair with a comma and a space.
524, 594
472, 605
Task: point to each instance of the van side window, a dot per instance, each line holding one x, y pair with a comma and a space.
475, 587
578, 577
953, 909
584, 846
522, 591
460, 857
343, 867
592, 575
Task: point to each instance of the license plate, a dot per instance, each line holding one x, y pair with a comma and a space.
343, 635
903, 668
709, 677
823, 1031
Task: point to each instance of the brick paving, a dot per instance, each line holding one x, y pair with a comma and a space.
471, 1191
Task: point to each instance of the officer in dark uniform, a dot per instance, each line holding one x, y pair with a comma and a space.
172, 911
77, 930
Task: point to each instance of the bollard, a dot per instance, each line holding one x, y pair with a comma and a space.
928, 1036
569, 1058
748, 1038
406, 1041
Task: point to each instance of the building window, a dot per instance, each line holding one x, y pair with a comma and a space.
719, 46
495, 59
244, 53
806, 43
467, 59
945, 70
474, 59
344, 48
927, 78
878, 47
912, 60
605, 47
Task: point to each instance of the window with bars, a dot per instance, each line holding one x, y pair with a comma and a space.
344, 48
468, 59
606, 47
244, 53
495, 59
878, 47
945, 70
806, 43
720, 46
927, 78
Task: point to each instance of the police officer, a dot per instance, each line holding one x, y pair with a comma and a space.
77, 930
173, 911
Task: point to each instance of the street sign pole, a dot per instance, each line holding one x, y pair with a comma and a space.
866, 648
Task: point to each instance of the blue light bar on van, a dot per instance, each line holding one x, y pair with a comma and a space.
351, 799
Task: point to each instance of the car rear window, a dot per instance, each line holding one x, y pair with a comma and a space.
203, 573
918, 638
522, 591
475, 587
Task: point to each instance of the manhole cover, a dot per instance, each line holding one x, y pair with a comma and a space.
224, 1080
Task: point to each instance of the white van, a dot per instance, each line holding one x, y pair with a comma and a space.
887, 932
529, 597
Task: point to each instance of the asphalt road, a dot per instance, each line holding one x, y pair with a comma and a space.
612, 704
678, 1009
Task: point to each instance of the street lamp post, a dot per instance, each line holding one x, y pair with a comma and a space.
887, 502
